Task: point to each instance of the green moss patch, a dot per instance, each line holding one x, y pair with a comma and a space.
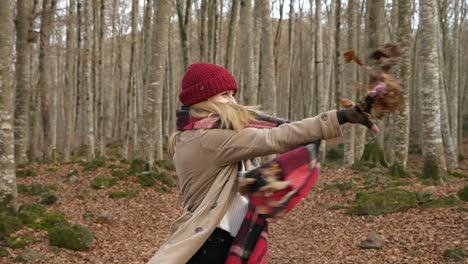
146, 179
137, 166
123, 193
442, 202
166, 164
396, 170
119, 174
149, 178
432, 174
23, 173
30, 213
383, 202
33, 189
21, 241
53, 220
101, 182
457, 254
48, 198
74, 237
373, 154
9, 224
4, 252
94, 164
340, 185
463, 193
165, 178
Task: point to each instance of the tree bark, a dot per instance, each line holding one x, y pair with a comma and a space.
267, 75
44, 83
90, 139
249, 90
23, 50
184, 14
349, 91
231, 40
151, 139
401, 135
8, 193
433, 151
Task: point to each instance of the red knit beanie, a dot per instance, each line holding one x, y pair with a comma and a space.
204, 80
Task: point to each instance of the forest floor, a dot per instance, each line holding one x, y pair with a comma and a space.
318, 231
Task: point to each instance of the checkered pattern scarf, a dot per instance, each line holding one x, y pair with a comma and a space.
273, 189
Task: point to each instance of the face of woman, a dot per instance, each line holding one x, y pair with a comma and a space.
224, 97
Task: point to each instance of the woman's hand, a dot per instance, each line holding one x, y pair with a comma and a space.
355, 115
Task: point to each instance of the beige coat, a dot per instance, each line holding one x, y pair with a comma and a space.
207, 164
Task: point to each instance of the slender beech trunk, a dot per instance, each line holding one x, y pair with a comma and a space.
349, 91
203, 28
287, 91
319, 65
433, 149
23, 51
184, 14
102, 102
454, 80
8, 193
402, 119
44, 83
90, 140
112, 109
247, 53
151, 139
131, 87
267, 75
444, 110
70, 82
231, 40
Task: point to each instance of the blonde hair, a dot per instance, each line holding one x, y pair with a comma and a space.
232, 116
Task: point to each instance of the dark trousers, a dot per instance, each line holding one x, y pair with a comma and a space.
215, 250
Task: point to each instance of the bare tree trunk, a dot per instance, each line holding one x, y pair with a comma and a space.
434, 161
131, 82
152, 139
70, 81
360, 131
402, 119
230, 47
336, 53
203, 25
319, 66
184, 14
112, 109
454, 80
349, 92
102, 102
287, 91
8, 193
444, 115
90, 140
276, 45
247, 54
267, 75
43, 85
23, 50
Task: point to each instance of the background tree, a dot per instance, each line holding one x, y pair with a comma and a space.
401, 141
434, 161
8, 194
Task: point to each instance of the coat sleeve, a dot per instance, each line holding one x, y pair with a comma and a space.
232, 146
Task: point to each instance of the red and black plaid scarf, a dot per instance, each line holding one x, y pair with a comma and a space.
273, 189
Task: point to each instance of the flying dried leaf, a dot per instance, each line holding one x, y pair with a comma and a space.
350, 56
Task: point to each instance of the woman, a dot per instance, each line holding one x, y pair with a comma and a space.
216, 139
